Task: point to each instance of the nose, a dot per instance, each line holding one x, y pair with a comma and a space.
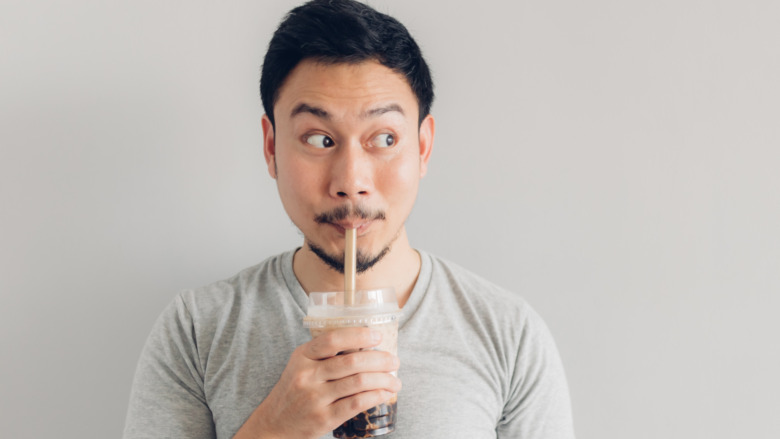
351, 173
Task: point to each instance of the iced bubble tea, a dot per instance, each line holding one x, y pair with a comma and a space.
377, 309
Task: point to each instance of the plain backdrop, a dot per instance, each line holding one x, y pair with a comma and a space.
613, 162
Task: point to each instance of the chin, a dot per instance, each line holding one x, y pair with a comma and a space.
335, 261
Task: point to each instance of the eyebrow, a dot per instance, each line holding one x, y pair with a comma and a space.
322, 114
382, 110
306, 108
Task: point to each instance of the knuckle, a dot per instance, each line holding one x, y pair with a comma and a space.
350, 361
310, 349
330, 338
357, 403
360, 380
299, 382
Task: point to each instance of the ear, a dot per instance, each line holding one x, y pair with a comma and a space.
427, 129
269, 146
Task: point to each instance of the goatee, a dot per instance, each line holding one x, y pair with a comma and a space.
364, 261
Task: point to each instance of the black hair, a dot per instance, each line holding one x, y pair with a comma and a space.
343, 31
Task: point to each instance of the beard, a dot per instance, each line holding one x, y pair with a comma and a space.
364, 261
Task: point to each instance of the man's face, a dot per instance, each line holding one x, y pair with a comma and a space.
347, 153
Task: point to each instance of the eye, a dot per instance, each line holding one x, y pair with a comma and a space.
383, 140
319, 141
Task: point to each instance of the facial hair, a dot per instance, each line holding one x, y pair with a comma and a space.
363, 261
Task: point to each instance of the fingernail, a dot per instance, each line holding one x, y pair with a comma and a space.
376, 336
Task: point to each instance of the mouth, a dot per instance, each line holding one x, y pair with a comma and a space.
361, 225
350, 217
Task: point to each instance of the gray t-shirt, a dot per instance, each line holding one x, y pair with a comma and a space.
476, 360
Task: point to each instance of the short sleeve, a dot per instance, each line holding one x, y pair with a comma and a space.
538, 405
167, 397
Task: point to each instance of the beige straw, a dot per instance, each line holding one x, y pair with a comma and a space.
350, 266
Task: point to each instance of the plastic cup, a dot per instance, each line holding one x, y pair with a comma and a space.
377, 309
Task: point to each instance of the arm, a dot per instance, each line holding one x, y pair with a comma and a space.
538, 404
167, 398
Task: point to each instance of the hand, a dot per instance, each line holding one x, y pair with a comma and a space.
319, 389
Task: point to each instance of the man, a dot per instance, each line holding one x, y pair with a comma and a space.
348, 136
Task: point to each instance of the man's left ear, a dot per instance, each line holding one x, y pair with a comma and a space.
427, 129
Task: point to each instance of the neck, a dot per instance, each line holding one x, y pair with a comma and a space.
399, 269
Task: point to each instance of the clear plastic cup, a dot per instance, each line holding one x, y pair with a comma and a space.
377, 309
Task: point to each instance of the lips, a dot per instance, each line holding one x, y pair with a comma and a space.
360, 224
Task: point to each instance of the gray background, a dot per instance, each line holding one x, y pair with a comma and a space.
615, 162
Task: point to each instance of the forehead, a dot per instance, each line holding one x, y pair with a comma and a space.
344, 89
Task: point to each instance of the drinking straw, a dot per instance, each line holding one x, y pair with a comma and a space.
350, 266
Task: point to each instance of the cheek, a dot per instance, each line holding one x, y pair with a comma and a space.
293, 172
400, 182
296, 187
294, 181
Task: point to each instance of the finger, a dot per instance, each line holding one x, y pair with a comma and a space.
339, 340
347, 408
363, 382
356, 362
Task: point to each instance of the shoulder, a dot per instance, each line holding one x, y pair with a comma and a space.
219, 309
474, 289
500, 313
246, 286
198, 317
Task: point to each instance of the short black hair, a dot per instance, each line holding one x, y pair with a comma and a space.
343, 31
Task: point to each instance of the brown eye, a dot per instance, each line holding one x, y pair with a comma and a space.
319, 141
383, 140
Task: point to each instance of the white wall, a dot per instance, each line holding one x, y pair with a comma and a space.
616, 163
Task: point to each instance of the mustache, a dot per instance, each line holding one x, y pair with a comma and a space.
342, 212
